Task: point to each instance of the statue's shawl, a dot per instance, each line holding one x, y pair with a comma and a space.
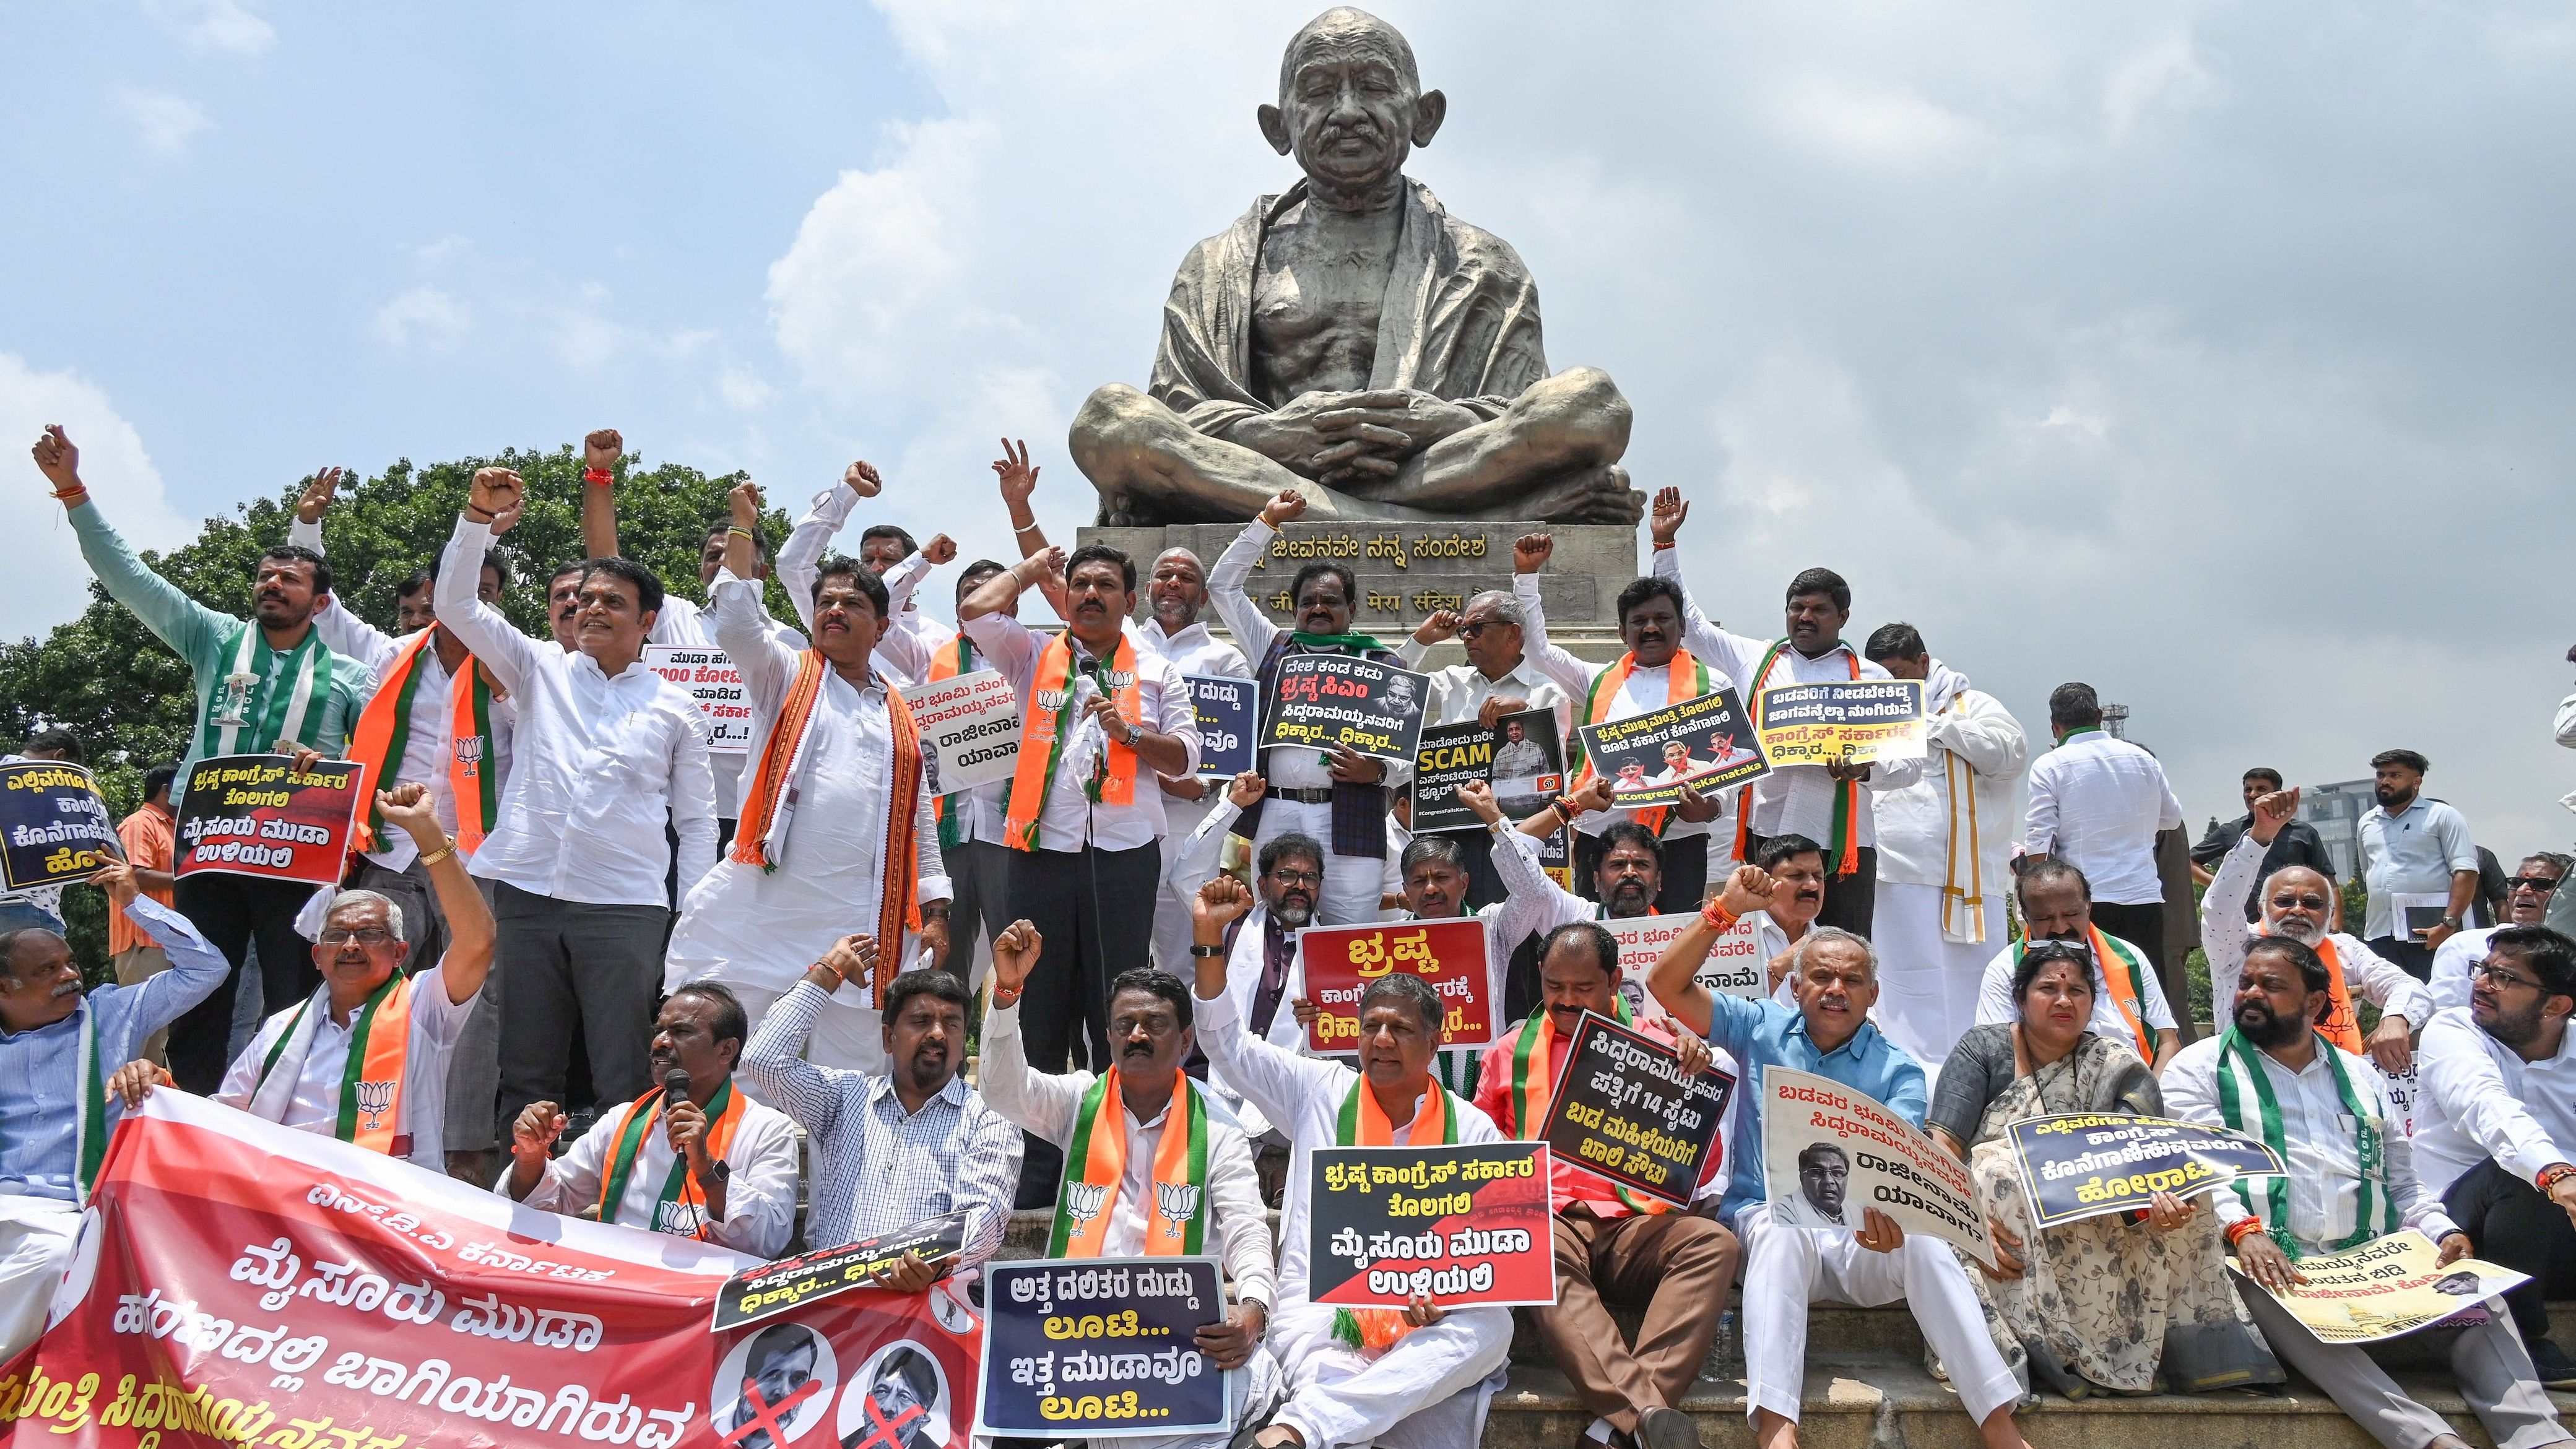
1460, 320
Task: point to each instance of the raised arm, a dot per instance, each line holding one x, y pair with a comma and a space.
1273, 1079
1046, 1103
1530, 553
2223, 933
799, 557
470, 929
509, 654
1533, 904
342, 631
1253, 632
600, 453
774, 1058
188, 627
1673, 979
743, 628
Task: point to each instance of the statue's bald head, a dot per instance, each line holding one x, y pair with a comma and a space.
1342, 30
1351, 107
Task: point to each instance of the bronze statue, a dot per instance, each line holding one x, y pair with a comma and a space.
1352, 340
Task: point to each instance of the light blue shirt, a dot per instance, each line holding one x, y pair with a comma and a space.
2414, 851
1760, 1033
39, 1069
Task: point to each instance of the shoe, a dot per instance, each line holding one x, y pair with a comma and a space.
1661, 1428
2550, 1365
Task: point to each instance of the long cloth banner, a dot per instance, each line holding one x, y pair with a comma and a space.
1830, 1153
1104, 1348
241, 1285
253, 815
1468, 1223
2079, 1165
2389, 1286
53, 826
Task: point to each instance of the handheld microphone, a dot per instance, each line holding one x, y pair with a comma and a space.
675, 1086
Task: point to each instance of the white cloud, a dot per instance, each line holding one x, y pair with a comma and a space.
46, 582
162, 121
424, 316
1879, 125
225, 25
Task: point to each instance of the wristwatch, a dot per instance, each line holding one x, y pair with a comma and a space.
1198, 950
719, 1174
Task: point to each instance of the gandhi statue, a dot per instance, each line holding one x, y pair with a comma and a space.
1353, 341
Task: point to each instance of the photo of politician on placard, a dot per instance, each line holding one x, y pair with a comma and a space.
1705, 743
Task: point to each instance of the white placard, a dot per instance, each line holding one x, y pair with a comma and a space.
1736, 965
970, 730
708, 676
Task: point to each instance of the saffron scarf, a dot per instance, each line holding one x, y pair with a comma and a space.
948, 664
1363, 1124
2241, 1075
1046, 719
1095, 1165
725, 1111
1842, 845
1605, 692
1534, 1075
384, 734
370, 1085
2127, 985
276, 706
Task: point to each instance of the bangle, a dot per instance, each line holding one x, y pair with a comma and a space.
2243, 1228
599, 476
1007, 996
430, 858
1028, 527
2554, 1174
1660, 547
740, 531
72, 497
1718, 917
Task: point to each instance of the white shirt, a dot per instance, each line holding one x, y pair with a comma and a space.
1916, 834
1050, 1105
436, 1025
1070, 820
2480, 1099
601, 763
427, 749
2451, 963
1287, 767
2325, 1170
760, 1195
2226, 937
1303, 1096
2415, 851
2097, 803
1459, 692
1995, 999
1191, 651
763, 928
1642, 691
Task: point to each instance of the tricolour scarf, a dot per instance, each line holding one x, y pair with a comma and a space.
2240, 1077
948, 664
1605, 693
2124, 976
371, 1085
1095, 1165
384, 734
725, 1111
1047, 720
1363, 1124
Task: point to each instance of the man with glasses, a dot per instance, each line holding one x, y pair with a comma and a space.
2495, 1128
2528, 894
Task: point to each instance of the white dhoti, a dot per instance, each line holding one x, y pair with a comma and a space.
1427, 1390
1787, 1268
846, 1035
37, 1235
1353, 885
1255, 1386
1927, 983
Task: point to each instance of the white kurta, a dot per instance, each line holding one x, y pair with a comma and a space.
436, 1024
1642, 691
1191, 651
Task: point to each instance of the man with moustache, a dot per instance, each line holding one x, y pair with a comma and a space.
2528, 894
2272, 1077
1796, 866
1175, 595
712, 1165
2128, 999
2297, 844
1626, 882
269, 684
2410, 846
837, 830
1261, 944
2300, 903
2495, 1132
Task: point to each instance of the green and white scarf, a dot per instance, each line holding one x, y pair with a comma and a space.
2241, 1078
274, 708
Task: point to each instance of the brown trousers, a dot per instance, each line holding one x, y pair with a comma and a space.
1676, 1266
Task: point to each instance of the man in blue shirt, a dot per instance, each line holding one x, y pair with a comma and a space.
1834, 977
57, 1047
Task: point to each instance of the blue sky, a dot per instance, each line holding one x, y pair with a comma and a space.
2215, 354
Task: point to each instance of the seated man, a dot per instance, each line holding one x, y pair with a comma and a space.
2128, 998
919, 1139
1113, 1127
2495, 1126
1835, 980
2300, 902
2526, 903
1430, 1376
2271, 1075
1612, 1243
57, 1045
304, 1068
721, 1168
1260, 947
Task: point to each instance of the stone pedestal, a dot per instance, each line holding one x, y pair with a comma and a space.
1407, 571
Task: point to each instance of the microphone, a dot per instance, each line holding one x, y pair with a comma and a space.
675, 1086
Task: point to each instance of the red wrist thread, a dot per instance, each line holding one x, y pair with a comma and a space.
599, 476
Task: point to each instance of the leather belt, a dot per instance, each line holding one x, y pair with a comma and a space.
1311, 795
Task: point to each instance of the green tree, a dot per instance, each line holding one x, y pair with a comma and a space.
108, 680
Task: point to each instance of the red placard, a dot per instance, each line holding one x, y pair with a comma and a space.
1340, 961
254, 815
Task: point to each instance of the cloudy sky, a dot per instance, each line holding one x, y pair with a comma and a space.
2217, 355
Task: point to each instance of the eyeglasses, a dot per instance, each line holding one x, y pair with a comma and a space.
1307, 878
1479, 626
2502, 978
366, 936
2308, 903
2056, 951
2539, 885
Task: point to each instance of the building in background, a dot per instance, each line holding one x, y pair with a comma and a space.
2336, 810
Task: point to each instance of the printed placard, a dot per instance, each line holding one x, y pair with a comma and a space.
1829, 1153
970, 730
1847, 721
1325, 701
1466, 1224
1101, 1348
1736, 964
2078, 1165
253, 815
709, 677
1226, 706
54, 826
1522, 757
1340, 961
1703, 742
1623, 1111
2387, 1287
790, 1283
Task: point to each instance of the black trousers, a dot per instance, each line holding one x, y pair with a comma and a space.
232, 912
979, 873
1685, 873
2410, 956
1851, 901
574, 977
2511, 1224
2142, 927
1094, 910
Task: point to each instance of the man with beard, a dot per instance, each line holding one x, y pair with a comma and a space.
1417, 1375
2411, 849
714, 1165
1612, 1243
268, 684
1788, 1267
889, 1151
2271, 1077
837, 831
2301, 904
1099, 717
1626, 882
2128, 999
1129, 1189
1260, 945
2496, 1126
1175, 594
1943, 843
1338, 796
2528, 893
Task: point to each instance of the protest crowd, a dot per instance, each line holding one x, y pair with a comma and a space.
1818, 974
